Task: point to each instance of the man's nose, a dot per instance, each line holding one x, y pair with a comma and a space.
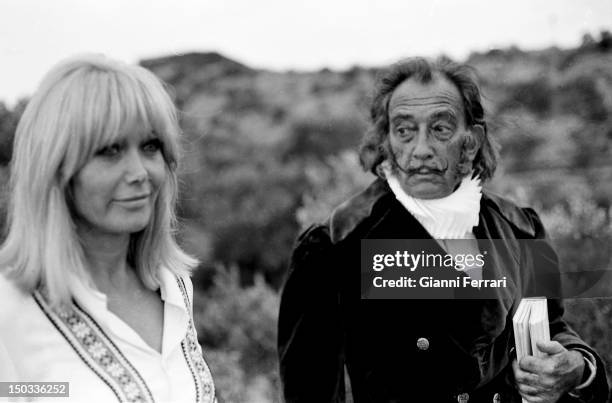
422, 149
136, 170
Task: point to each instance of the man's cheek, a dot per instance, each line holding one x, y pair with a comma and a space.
452, 152
402, 155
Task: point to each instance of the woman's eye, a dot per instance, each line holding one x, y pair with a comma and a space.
109, 151
152, 146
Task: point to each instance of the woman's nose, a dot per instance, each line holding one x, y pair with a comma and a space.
135, 168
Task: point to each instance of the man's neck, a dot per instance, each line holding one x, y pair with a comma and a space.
451, 217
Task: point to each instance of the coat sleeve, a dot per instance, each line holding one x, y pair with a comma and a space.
545, 262
310, 331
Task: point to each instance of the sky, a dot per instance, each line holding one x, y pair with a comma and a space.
280, 34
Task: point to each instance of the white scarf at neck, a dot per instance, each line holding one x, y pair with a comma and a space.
451, 217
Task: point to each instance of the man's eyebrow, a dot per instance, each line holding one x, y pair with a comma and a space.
449, 115
397, 116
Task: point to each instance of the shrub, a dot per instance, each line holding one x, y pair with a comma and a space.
237, 329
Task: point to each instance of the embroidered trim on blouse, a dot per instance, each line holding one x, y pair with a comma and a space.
97, 351
205, 387
105, 359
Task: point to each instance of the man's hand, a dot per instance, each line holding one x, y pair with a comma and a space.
546, 379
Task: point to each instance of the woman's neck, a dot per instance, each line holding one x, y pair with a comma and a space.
106, 259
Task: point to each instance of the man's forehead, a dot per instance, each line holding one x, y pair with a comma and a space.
439, 92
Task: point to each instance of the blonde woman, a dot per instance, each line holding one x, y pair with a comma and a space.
95, 291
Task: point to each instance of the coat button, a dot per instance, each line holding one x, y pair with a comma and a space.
463, 398
497, 398
423, 343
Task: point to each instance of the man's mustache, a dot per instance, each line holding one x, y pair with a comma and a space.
424, 169
415, 167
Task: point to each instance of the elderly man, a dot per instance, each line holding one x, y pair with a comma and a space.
428, 146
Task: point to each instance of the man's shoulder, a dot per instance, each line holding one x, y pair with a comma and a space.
345, 217
348, 215
523, 219
318, 240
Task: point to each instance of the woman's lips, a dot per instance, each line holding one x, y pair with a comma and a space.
135, 201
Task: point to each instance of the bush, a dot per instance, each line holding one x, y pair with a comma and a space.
581, 96
582, 232
237, 330
322, 136
8, 124
535, 96
331, 183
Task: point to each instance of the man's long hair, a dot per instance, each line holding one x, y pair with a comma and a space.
375, 144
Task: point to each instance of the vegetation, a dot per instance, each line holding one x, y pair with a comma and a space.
267, 153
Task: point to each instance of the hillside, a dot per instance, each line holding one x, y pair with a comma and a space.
260, 144
255, 139
267, 153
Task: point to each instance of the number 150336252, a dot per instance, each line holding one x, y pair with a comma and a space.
34, 389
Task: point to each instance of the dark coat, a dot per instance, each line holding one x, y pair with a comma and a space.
325, 326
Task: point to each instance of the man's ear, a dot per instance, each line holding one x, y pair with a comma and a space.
474, 140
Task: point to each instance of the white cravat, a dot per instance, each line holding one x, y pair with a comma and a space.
451, 217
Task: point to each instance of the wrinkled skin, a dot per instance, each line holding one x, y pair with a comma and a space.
431, 146
545, 380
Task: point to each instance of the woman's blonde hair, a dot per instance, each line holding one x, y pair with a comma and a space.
82, 105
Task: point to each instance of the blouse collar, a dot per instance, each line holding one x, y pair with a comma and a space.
176, 314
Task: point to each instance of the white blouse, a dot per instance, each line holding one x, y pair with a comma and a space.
102, 358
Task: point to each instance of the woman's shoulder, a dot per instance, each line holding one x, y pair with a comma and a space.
9, 289
13, 298
171, 279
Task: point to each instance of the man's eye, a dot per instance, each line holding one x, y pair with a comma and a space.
109, 151
152, 146
404, 131
442, 129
